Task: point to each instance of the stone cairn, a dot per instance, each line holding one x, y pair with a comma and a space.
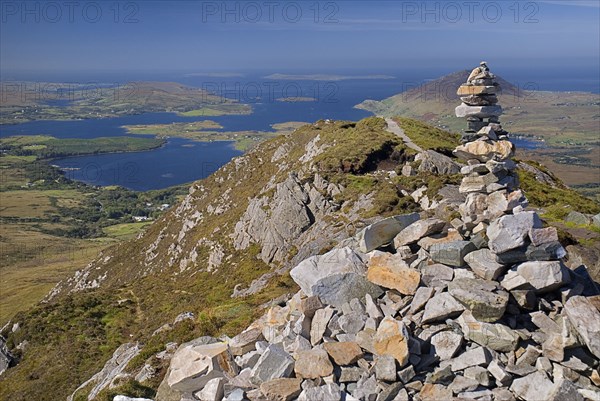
416, 308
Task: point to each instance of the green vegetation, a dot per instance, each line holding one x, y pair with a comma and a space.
218, 110
428, 137
207, 131
556, 201
45, 147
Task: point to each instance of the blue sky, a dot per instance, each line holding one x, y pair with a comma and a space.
232, 36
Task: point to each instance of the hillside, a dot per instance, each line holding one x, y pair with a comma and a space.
211, 264
24, 101
565, 124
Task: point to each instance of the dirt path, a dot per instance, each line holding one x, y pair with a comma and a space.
394, 128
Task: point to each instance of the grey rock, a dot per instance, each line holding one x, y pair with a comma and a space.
195, 363
319, 324
351, 374
533, 387
385, 368
273, 364
440, 307
236, 395
565, 390
451, 253
384, 231
510, 231
418, 230
390, 392
367, 389
539, 236
499, 373
483, 263
543, 252
335, 262
465, 110
479, 374
338, 289
437, 275
245, 341
596, 221
371, 307
482, 298
538, 275
420, 299
310, 305
212, 391
577, 218
472, 184
497, 337
313, 364
352, 323
446, 344
585, 318
328, 392
462, 383
6, 358
436, 163
475, 357
125, 398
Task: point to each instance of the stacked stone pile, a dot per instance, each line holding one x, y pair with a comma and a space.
416, 308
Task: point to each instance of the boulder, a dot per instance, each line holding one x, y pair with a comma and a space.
481, 297
533, 387
440, 307
390, 271
497, 337
474, 357
335, 262
542, 276
436, 275
511, 231
483, 263
585, 318
313, 364
338, 289
343, 353
385, 368
418, 230
464, 110
446, 344
451, 253
212, 391
384, 231
274, 363
194, 364
245, 341
485, 150
328, 392
470, 90
540, 236
283, 389
577, 218
392, 339
436, 163
319, 324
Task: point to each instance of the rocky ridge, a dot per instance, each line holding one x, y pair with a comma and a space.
417, 308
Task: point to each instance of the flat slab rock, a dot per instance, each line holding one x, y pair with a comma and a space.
441, 307
383, 231
483, 298
390, 271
